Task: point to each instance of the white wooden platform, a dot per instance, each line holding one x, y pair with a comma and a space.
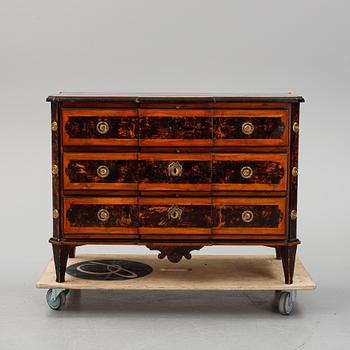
202, 272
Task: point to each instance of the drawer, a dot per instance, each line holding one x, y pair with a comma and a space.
100, 171
100, 127
175, 216
97, 217
132, 171
249, 172
249, 217
250, 127
171, 127
189, 172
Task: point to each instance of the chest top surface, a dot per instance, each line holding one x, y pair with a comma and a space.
173, 97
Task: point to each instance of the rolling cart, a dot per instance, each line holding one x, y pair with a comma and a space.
201, 273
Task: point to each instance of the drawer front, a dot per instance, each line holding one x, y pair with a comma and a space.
174, 216
175, 127
94, 171
249, 216
187, 172
100, 127
191, 172
249, 172
250, 127
100, 216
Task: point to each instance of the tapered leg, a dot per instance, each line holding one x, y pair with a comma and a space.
278, 253
288, 261
60, 255
72, 252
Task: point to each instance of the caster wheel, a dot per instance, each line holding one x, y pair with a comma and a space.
55, 302
286, 302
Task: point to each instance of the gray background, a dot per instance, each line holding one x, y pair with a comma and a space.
166, 46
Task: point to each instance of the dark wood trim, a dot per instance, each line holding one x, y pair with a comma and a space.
55, 162
137, 98
60, 254
288, 261
293, 180
72, 251
278, 253
259, 242
174, 254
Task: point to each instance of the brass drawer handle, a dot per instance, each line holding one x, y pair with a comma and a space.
103, 215
102, 127
102, 171
174, 213
247, 216
246, 172
247, 128
175, 169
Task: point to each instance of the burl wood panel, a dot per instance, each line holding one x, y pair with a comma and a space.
231, 216
81, 216
80, 127
270, 127
80, 171
192, 216
175, 127
269, 216
196, 216
154, 175
269, 172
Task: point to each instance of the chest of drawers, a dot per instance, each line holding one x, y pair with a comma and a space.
174, 173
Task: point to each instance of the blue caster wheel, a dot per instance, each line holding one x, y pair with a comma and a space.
285, 302
56, 298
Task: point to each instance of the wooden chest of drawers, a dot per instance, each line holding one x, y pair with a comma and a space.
174, 173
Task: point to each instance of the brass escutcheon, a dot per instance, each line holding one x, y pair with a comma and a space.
54, 126
174, 212
295, 171
103, 215
102, 127
293, 214
54, 169
246, 172
175, 169
102, 171
247, 128
55, 214
247, 216
296, 127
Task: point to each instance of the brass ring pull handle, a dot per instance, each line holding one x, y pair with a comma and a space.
247, 128
102, 127
174, 213
246, 172
102, 171
247, 216
103, 215
175, 169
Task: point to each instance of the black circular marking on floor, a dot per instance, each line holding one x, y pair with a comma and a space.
109, 270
